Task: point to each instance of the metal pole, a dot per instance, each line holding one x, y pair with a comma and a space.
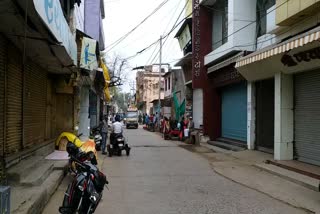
159, 104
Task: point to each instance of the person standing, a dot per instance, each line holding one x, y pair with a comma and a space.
104, 134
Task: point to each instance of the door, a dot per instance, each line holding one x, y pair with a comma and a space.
265, 115
234, 112
307, 117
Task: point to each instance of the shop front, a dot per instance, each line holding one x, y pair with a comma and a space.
307, 116
293, 69
230, 98
234, 112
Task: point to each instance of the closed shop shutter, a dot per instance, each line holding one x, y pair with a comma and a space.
3, 53
234, 112
198, 107
34, 105
307, 117
14, 102
64, 113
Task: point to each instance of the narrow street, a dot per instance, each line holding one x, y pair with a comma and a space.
161, 177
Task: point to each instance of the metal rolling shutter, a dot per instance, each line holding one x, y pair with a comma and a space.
307, 117
34, 104
14, 102
234, 112
3, 53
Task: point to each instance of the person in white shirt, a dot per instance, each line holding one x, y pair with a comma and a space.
116, 129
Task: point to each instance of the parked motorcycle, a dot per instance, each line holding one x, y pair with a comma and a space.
85, 192
117, 145
96, 134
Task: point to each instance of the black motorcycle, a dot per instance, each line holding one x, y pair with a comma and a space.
76, 153
117, 145
85, 192
96, 135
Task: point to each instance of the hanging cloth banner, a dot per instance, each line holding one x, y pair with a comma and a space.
88, 58
107, 81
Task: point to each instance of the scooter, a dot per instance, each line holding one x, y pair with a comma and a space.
117, 145
95, 133
85, 192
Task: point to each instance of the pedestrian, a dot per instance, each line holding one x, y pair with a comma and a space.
182, 125
147, 120
104, 134
144, 119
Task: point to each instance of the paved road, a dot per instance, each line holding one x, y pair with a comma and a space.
162, 178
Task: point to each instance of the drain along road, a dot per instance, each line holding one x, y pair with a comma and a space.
160, 177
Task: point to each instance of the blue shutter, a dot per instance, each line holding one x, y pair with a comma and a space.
234, 112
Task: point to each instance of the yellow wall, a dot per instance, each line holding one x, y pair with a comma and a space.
189, 8
292, 11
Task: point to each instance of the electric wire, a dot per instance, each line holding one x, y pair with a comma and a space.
117, 42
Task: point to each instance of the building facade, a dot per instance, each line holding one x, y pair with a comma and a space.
37, 78
147, 80
90, 40
284, 79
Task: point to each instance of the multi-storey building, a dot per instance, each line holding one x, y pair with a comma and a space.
147, 80
283, 100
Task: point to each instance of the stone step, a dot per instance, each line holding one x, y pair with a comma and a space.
303, 180
226, 146
30, 172
33, 199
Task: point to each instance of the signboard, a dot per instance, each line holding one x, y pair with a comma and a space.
196, 50
303, 56
51, 13
88, 58
185, 37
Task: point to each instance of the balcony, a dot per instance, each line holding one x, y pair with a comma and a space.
241, 34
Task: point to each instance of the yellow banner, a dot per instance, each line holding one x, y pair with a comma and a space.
107, 79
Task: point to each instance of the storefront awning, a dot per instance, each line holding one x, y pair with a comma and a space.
225, 63
46, 36
298, 54
298, 41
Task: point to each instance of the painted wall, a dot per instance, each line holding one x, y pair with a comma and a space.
84, 113
93, 22
290, 11
241, 13
79, 16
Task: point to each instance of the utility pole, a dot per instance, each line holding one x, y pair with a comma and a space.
160, 61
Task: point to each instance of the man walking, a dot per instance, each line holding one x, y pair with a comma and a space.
104, 134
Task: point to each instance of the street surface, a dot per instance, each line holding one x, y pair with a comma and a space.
160, 177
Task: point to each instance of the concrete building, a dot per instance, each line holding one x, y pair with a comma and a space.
88, 18
284, 80
174, 93
36, 78
147, 80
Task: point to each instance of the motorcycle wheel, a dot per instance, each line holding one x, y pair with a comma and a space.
128, 151
98, 147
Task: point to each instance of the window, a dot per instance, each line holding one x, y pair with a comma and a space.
169, 83
262, 7
220, 23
